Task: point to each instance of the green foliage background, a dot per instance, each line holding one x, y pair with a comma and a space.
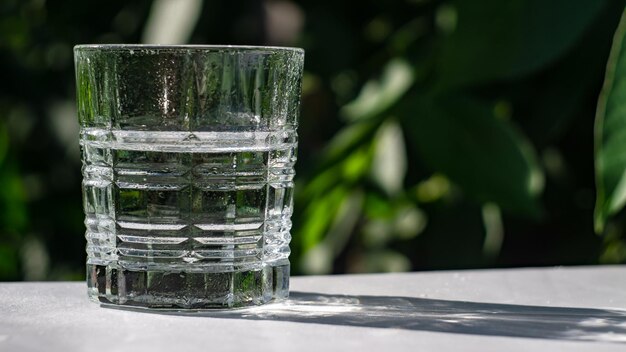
434, 134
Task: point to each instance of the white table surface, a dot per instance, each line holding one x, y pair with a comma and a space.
551, 309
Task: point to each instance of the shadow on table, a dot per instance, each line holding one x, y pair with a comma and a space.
587, 324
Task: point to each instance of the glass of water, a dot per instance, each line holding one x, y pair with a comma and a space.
188, 162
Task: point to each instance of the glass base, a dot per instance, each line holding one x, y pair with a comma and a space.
187, 290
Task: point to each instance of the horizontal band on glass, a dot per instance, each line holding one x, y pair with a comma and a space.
166, 141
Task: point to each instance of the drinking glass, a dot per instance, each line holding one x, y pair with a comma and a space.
188, 159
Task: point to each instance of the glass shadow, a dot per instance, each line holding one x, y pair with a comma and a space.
424, 314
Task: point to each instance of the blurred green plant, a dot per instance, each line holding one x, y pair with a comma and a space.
13, 217
435, 134
610, 134
610, 147
458, 91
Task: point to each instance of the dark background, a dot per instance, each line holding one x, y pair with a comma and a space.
433, 134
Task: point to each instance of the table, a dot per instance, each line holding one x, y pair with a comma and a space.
547, 309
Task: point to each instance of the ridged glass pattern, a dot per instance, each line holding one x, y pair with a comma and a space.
188, 156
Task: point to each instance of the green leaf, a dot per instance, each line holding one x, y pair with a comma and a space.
496, 39
610, 134
347, 141
485, 156
319, 214
376, 96
389, 163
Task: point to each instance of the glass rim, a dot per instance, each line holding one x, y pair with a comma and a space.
181, 47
